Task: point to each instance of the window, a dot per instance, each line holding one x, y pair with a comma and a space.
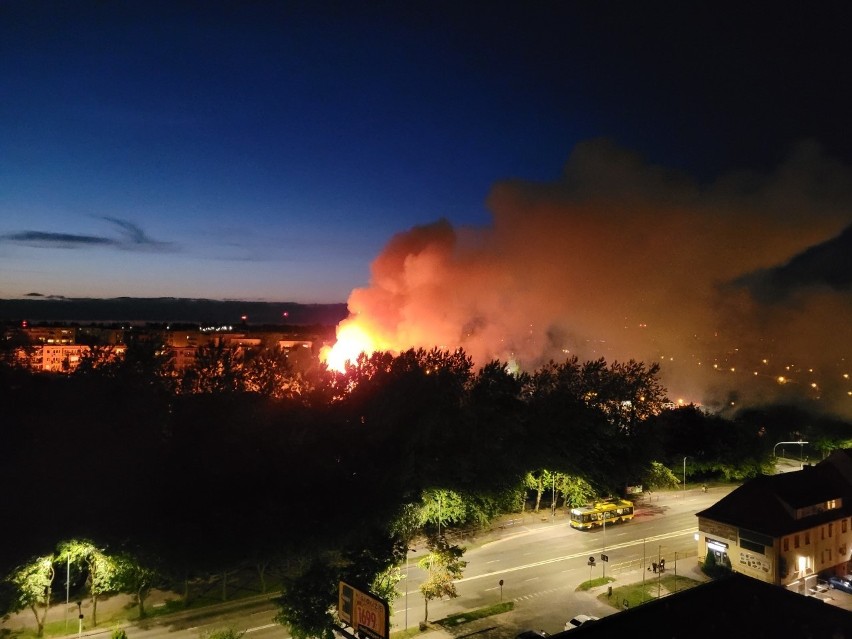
822, 532
807, 537
842, 525
786, 544
796, 541
831, 529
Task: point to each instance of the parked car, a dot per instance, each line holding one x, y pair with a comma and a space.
579, 620
840, 583
533, 634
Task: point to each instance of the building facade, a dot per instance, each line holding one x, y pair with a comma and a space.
786, 529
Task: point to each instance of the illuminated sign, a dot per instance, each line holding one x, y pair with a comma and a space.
362, 611
721, 546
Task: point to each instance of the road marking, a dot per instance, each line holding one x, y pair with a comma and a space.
584, 553
269, 625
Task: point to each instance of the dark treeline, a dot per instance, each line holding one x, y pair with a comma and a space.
241, 461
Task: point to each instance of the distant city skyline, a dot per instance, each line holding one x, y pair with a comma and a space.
133, 310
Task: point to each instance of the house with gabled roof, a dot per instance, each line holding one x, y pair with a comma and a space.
785, 529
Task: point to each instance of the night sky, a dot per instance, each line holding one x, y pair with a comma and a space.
670, 182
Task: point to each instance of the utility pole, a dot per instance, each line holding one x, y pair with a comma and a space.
67, 590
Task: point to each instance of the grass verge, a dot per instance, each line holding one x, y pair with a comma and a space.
636, 594
471, 615
593, 583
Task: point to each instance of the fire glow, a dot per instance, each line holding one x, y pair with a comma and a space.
352, 340
587, 265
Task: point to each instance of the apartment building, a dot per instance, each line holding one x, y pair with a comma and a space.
785, 529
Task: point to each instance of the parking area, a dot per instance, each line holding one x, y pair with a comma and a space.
835, 598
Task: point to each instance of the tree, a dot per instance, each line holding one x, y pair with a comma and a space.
16, 349
135, 578
33, 582
306, 601
217, 369
96, 359
104, 572
268, 372
444, 564
577, 491
658, 476
541, 481
384, 585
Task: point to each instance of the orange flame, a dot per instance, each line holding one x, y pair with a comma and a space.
352, 340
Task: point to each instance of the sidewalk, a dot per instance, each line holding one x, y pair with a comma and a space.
108, 607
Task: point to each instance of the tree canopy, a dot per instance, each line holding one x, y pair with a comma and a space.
248, 461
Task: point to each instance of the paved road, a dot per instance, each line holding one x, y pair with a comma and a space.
541, 564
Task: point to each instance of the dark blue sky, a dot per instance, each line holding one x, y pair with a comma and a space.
269, 150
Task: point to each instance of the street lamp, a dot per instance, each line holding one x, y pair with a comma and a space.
67, 590
407, 550
553, 499
801, 449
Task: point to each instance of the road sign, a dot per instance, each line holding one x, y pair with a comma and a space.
591, 561
604, 557
364, 612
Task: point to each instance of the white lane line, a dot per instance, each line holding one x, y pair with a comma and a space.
269, 625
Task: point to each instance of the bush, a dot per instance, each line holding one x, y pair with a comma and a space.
712, 568
119, 633
223, 633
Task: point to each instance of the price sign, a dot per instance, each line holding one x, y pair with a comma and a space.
364, 612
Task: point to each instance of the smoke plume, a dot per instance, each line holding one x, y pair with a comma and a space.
621, 259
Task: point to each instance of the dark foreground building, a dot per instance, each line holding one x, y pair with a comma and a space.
733, 606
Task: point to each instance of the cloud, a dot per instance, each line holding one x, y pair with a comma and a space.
44, 239
131, 237
623, 259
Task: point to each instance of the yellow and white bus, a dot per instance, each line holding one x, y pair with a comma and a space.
611, 511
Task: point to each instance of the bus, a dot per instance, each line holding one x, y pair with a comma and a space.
611, 511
